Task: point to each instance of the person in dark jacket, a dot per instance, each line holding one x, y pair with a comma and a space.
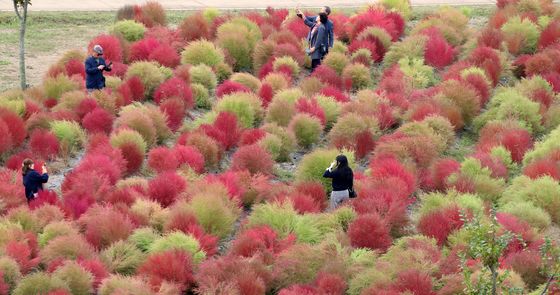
311, 21
318, 41
95, 65
342, 181
32, 180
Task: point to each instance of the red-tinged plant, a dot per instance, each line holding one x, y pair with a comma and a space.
23, 254
44, 144
438, 53
480, 84
75, 67
15, 160
372, 17
330, 284
15, 125
11, 188
252, 158
303, 203
225, 130
265, 94
141, 49
513, 224
183, 72
121, 196
187, 223
229, 87
315, 190
175, 266
104, 226
540, 168
107, 164
133, 156
515, 139
207, 146
233, 181
77, 203
537, 64
190, 156
151, 14
365, 143
365, 44
175, 110
415, 282
87, 105
550, 35
98, 120
488, 59
528, 265
96, 268
298, 28
440, 224
496, 165
328, 76
166, 187
491, 37
174, 87
59, 292
335, 93
45, 197
251, 136
441, 170
4, 287
165, 35
299, 289
289, 49
370, 231
162, 159
165, 55
112, 49
194, 27
136, 88
387, 167
311, 107
266, 69
260, 240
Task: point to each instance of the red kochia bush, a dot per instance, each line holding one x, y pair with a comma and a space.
266, 93
190, 156
98, 120
187, 223
440, 224
194, 27
44, 144
87, 105
528, 265
112, 50
386, 167
44, 197
175, 110
4, 287
141, 49
515, 139
328, 76
260, 240
174, 87
441, 170
541, 168
311, 107
165, 55
229, 87
15, 125
370, 231
252, 158
136, 88
335, 93
151, 14
174, 266
96, 268
550, 35
225, 130
162, 159
415, 282
24, 253
304, 203
75, 67
166, 187
438, 52
133, 155
104, 226
315, 190
251, 136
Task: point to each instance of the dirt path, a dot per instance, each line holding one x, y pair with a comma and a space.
101, 5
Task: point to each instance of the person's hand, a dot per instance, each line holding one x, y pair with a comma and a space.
333, 164
44, 170
101, 67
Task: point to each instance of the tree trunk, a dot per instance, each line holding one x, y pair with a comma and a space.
22, 26
494, 280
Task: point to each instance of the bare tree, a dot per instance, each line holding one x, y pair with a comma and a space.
20, 7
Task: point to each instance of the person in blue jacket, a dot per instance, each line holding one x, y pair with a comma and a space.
318, 41
310, 21
95, 65
32, 180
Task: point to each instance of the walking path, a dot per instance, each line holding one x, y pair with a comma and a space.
102, 5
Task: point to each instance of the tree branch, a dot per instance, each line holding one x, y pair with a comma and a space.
17, 10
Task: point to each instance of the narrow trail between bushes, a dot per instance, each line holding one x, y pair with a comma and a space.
57, 178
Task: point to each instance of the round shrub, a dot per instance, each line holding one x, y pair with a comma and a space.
166, 187
280, 111
105, 225
248, 80
170, 266
203, 74
229, 87
246, 106
112, 49
54, 87
130, 30
527, 211
11, 273
143, 237
337, 61
178, 241
253, 159
238, 37
98, 120
70, 135
350, 128
287, 142
307, 129
54, 230
202, 52
207, 146
152, 14
166, 56
289, 63
277, 81
311, 86
44, 144
357, 75
215, 211
162, 159
149, 73
313, 165
544, 192
39, 283
201, 96
78, 280
520, 35
136, 119
122, 257
118, 284
370, 231
194, 27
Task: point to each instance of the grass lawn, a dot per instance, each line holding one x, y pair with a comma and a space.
50, 34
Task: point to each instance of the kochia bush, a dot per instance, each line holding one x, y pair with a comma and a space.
202, 52
306, 129
252, 158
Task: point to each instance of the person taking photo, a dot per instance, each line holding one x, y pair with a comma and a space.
95, 66
342, 181
32, 180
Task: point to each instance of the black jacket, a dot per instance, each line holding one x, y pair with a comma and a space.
94, 76
340, 181
33, 182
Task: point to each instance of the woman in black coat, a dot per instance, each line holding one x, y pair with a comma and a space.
318, 41
342, 181
32, 180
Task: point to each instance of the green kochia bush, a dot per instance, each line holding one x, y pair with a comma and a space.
78, 280
246, 106
358, 74
204, 75
122, 257
215, 212
180, 241
11, 270
149, 73
117, 284
143, 238
238, 37
307, 129
527, 211
313, 165
525, 30
39, 283
201, 96
543, 148
130, 30
70, 135
202, 52
55, 87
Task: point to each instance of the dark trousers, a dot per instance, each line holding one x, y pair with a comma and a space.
315, 63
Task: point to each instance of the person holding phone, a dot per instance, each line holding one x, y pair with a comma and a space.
310, 21
342, 181
318, 41
32, 180
95, 66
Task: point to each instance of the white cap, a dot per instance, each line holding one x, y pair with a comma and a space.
98, 49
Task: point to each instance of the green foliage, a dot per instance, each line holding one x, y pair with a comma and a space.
122, 257
136, 118
543, 192
180, 241
525, 30
337, 61
248, 80
331, 108
10, 268
410, 47
204, 75
201, 96
401, 6
543, 148
54, 230
149, 73
238, 37
278, 81
143, 237
126, 136
151, 212
223, 71
66, 247
130, 30
306, 129
487, 187
55, 87
344, 133
280, 111
287, 142
527, 211
78, 280
215, 212
69, 133
358, 74
510, 104
273, 145
362, 55
118, 284
202, 52
246, 106
287, 61
420, 75
369, 277
313, 165
38, 283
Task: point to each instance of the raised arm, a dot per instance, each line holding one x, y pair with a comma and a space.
310, 21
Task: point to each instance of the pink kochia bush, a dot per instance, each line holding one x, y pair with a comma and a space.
260, 240
162, 159
229, 87
166, 187
440, 224
98, 120
174, 87
254, 159
370, 231
112, 49
189, 156
173, 266
225, 130
44, 144
105, 225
